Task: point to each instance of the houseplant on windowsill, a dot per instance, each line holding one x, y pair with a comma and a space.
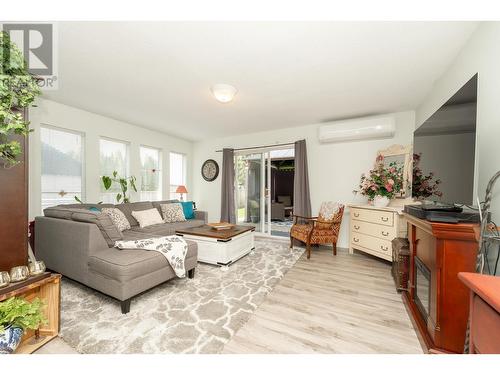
382, 183
17, 315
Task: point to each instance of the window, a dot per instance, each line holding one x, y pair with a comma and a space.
113, 157
150, 174
62, 166
177, 173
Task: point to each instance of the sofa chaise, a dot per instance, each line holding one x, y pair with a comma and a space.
78, 241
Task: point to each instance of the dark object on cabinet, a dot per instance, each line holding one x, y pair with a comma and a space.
14, 211
484, 312
437, 301
400, 263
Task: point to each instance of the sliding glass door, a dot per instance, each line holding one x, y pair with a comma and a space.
253, 198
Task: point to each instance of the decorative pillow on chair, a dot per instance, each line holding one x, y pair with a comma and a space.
327, 212
147, 217
172, 213
117, 217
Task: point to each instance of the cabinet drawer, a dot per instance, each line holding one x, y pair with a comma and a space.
376, 230
373, 216
376, 244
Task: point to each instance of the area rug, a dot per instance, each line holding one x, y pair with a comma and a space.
181, 316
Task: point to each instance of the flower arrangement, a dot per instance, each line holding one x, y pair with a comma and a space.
423, 186
381, 180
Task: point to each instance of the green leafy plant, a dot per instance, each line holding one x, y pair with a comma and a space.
123, 182
18, 312
18, 90
81, 202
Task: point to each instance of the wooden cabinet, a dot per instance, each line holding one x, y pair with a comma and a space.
47, 288
484, 312
437, 301
371, 229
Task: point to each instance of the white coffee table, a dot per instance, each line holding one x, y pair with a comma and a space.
220, 247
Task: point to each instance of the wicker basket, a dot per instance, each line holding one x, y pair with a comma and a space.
400, 263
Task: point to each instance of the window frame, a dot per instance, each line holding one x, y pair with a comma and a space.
160, 168
102, 192
83, 140
184, 173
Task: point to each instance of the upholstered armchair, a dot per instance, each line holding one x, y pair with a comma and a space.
321, 229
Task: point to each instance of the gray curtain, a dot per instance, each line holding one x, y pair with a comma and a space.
227, 209
301, 195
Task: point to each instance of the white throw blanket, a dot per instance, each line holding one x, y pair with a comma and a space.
173, 248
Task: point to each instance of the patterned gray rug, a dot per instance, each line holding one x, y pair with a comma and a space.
181, 316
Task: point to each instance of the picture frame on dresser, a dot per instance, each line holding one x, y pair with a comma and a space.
372, 229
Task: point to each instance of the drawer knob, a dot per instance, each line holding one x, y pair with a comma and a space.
384, 218
355, 239
385, 248
385, 233
356, 214
357, 227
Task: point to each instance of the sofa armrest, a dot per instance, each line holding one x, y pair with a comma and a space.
201, 215
66, 245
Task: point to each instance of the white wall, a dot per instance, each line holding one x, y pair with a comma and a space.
94, 126
480, 55
441, 151
334, 169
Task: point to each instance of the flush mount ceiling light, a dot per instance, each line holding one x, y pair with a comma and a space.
223, 93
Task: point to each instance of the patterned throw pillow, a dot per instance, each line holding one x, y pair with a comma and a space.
327, 212
172, 213
117, 217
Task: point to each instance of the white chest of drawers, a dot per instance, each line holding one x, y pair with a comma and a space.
371, 229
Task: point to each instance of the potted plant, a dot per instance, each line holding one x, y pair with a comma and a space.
18, 90
123, 182
382, 183
17, 315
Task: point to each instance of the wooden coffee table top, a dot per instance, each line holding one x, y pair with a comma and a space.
206, 231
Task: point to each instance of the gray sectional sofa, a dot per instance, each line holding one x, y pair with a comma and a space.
79, 243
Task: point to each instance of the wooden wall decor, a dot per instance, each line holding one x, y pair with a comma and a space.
14, 211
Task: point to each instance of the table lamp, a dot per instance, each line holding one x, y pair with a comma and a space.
181, 189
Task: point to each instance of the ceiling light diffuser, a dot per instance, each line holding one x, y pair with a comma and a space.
223, 93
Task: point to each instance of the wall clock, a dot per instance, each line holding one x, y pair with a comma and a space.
210, 170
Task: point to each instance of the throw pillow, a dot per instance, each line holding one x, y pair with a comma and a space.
172, 213
147, 218
187, 207
94, 209
117, 217
327, 212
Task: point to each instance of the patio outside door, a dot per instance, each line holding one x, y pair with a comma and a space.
253, 198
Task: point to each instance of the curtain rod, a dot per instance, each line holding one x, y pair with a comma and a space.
256, 147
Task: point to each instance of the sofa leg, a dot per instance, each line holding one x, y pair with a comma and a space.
125, 306
308, 248
191, 273
334, 249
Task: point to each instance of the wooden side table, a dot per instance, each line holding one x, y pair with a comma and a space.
47, 288
484, 335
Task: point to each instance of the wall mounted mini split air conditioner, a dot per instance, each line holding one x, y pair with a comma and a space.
357, 129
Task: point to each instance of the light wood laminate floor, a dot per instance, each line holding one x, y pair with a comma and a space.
342, 304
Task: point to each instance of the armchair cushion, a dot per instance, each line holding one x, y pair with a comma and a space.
327, 212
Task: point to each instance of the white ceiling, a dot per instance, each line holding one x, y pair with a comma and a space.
158, 75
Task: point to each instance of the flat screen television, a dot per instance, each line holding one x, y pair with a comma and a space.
444, 149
